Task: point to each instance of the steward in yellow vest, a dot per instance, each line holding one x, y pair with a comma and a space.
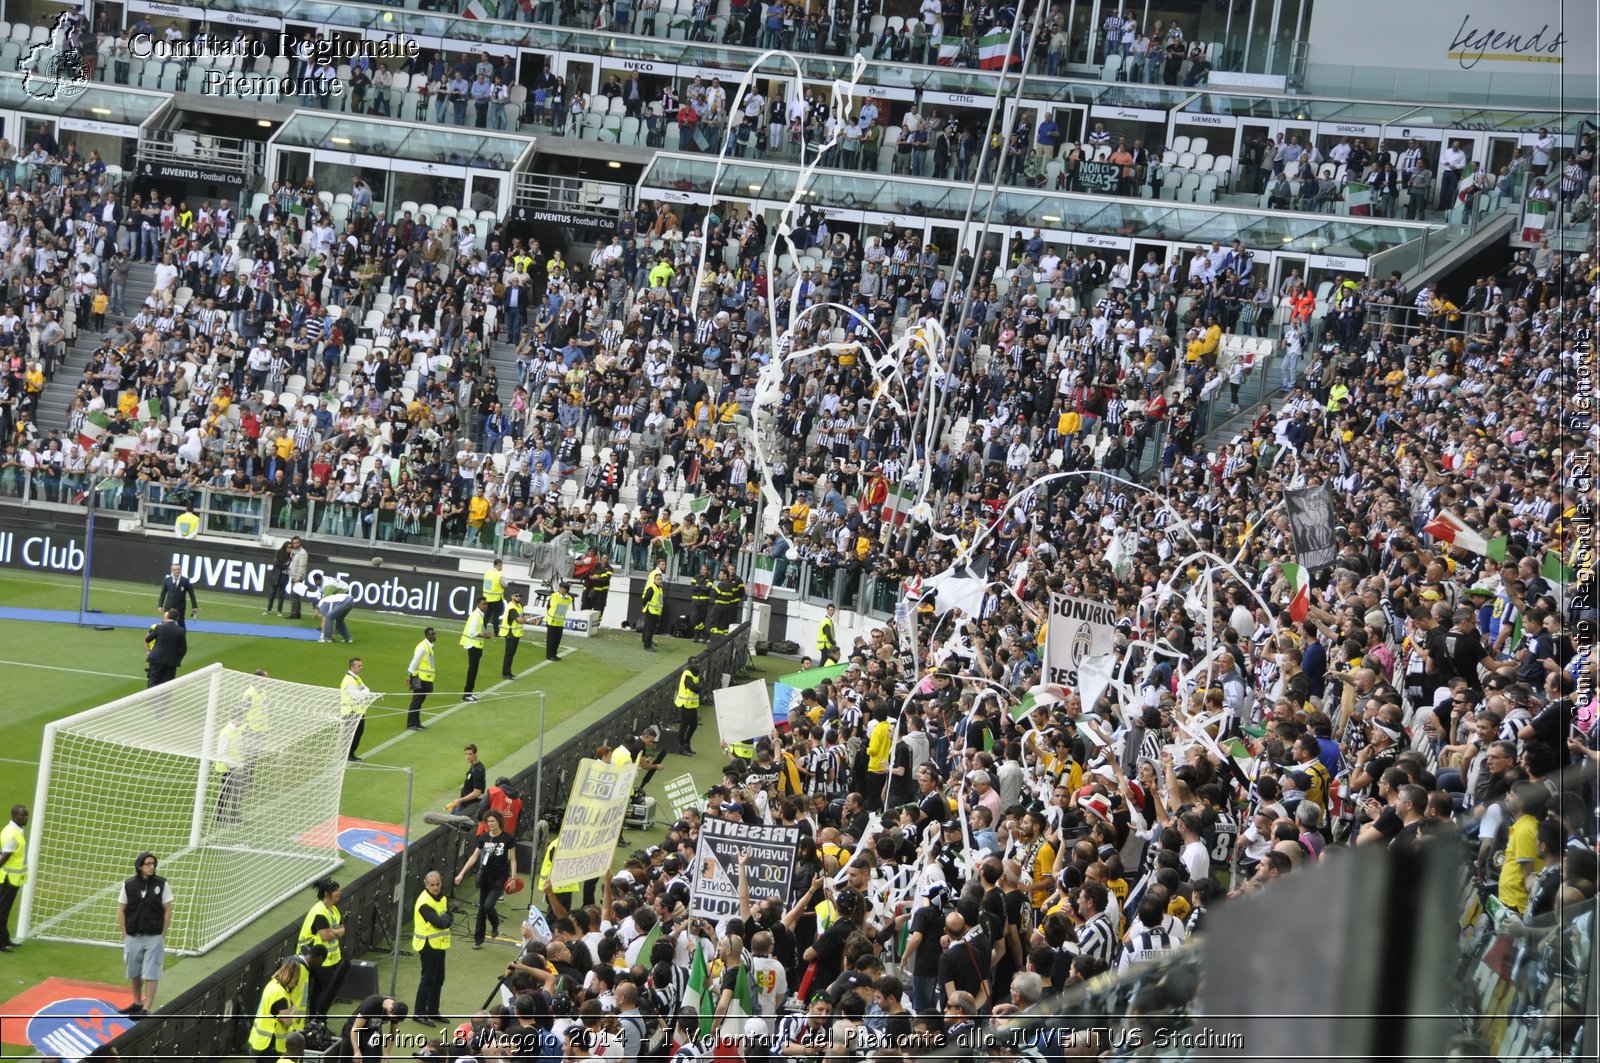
430, 940
511, 632
354, 697
472, 639
827, 640
420, 674
555, 619
13, 866
653, 600
688, 703
494, 595
324, 925
275, 1014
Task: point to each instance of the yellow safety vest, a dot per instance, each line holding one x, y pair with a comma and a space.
825, 637
548, 863
307, 937
188, 525
687, 699
227, 757
472, 634
423, 654
494, 585
620, 757
655, 596
15, 868
511, 622
555, 614
352, 695
269, 1031
255, 710
424, 933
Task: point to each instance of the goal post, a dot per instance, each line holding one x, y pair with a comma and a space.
231, 779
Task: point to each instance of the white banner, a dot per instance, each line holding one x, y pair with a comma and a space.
683, 794
769, 862
1078, 629
744, 712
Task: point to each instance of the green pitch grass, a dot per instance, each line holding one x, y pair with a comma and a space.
55, 670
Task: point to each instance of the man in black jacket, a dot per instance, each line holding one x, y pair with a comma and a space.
144, 914
175, 587
166, 643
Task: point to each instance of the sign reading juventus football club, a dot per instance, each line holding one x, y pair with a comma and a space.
1311, 523
714, 888
1078, 629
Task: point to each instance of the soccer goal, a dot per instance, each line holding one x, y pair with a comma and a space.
231, 779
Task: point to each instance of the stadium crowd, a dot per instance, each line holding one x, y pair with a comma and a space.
1428, 689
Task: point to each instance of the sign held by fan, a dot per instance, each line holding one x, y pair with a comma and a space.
1311, 523
1078, 629
770, 852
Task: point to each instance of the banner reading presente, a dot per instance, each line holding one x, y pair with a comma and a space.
1078, 629
592, 824
714, 890
1311, 523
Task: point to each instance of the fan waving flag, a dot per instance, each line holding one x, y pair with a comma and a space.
761, 577
1299, 591
96, 426
993, 47
1535, 216
476, 11
896, 504
1358, 197
1449, 528
697, 994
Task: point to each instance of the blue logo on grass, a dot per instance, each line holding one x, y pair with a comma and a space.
73, 1028
373, 846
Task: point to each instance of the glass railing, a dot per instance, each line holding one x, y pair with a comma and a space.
399, 140
1077, 212
106, 103
568, 28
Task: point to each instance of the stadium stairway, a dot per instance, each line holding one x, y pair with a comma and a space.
57, 396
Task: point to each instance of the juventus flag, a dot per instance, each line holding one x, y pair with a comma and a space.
1311, 522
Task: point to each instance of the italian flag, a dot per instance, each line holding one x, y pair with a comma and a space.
992, 49
95, 428
1299, 591
476, 10
699, 504
761, 577
896, 504
698, 993
1358, 197
1449, 528
1535, 217
149, 410
949, 49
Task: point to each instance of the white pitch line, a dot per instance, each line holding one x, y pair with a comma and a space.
454, 708
78, 671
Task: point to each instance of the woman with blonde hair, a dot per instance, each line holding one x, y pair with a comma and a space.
275, 1013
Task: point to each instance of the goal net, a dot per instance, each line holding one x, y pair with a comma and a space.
231, 779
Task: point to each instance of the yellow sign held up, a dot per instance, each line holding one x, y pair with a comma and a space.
593, 822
